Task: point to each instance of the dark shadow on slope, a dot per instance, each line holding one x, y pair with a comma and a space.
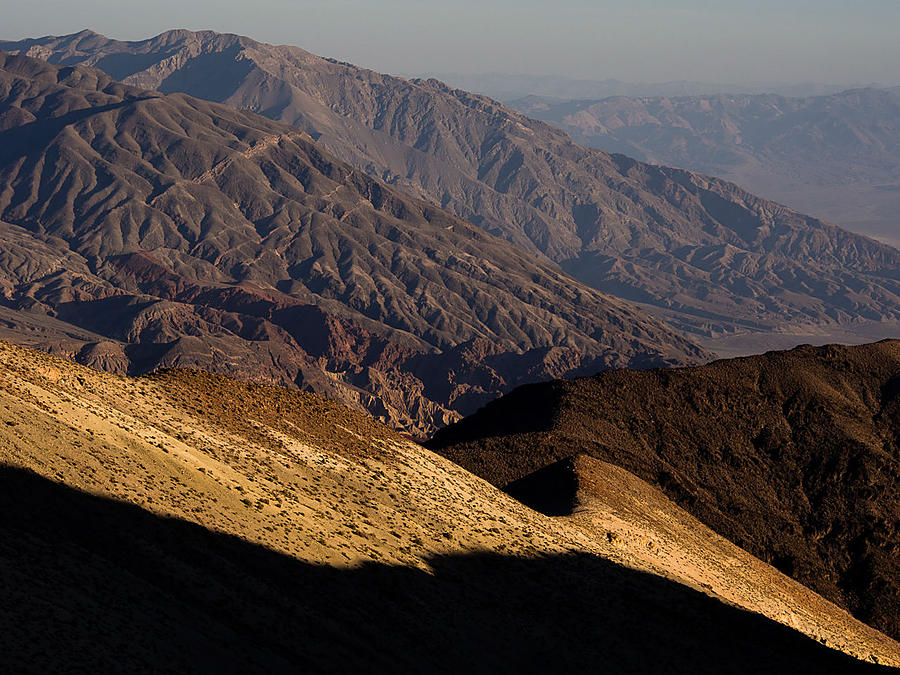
91, 584
552, 490
212, 77
121, 65
791, 455
536, 406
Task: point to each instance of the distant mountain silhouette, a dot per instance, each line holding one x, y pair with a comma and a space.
510, 88
702, 252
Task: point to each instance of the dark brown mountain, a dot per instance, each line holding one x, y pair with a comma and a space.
837, 156
143, 230
706, 254
184, 522
794, 456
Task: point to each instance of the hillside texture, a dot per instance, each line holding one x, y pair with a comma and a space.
793, 456
709, 256
183, 522
142, 231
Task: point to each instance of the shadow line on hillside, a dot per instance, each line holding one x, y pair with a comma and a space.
90, 583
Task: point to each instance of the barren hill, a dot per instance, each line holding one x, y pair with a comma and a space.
183, 521
704, 253
835, 156
794, 456
142, 230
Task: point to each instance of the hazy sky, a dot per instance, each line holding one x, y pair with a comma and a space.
642, 40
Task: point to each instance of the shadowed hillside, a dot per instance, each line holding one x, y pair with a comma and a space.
92, 584
794, 456
340, 544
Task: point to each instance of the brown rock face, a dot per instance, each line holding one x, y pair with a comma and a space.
144, 231
794, 456
706, 254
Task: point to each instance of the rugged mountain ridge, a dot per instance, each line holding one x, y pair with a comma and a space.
511, 88
144, 230
185, 521
837, 156
794, 456
706, 254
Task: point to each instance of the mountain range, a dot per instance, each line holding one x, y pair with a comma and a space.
836, 156
186, 522
290, 268
703, 253
143, 230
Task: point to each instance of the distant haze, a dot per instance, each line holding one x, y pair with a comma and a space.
512, 88
726, 41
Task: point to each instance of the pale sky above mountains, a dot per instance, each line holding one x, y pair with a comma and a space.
642, 40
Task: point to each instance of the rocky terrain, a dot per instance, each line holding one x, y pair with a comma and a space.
705, 254
192, 522
835, 156
793, 456
141, 230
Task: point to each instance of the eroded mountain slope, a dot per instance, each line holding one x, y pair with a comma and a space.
706, 254
188, 521
834, 156
188, 233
